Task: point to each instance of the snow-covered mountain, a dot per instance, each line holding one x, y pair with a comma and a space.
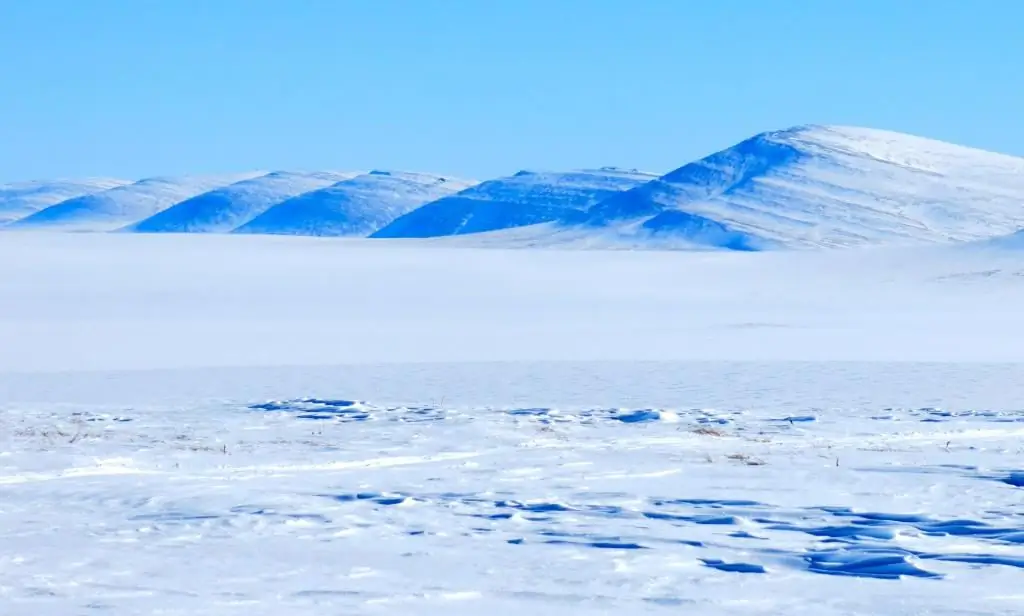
803, 187
124, 205
223, 209
22, 199
354, 207
825, 186
526, 198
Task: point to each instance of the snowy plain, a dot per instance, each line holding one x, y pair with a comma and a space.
277, 425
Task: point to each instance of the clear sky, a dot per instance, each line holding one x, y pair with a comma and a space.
480, 88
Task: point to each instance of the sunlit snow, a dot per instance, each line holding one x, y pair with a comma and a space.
229, 424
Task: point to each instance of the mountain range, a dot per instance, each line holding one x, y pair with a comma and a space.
357, 206
803, 187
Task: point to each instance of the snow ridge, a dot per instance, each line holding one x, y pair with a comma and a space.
526, 198
356, 206
124, 205
224, 209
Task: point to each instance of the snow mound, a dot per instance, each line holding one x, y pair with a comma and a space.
526, 198
124, 205
828, 186
356, 206
224, 209
22, 199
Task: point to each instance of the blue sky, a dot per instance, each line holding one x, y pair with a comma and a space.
479, 88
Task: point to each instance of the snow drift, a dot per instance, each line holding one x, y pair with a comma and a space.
353, 207
525, 198
225, 208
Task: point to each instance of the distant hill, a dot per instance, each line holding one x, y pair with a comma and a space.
226, 208
23, 199
353, 207
525, 198
124, 205
799, 188
826, 186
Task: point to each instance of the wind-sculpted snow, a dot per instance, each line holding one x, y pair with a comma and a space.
124, 205
586, 510
22, 199
226, 208
526, 198
354, 207
831, 186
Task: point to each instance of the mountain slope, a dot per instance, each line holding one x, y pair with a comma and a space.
22, 199
223, 209
525, 198
828, 186
123, 205
354, 207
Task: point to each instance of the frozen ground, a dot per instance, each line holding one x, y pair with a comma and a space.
260, 425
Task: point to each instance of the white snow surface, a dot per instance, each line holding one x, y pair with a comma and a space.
526, 198
355, 207
242, 424
117, 207
20, 199
829, 186
224, 209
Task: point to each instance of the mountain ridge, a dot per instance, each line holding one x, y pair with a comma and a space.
808, 186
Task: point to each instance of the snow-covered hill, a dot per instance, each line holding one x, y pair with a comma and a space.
526, 198
223, 209
354, 207
22, 199
803, 187
123, 205
826, 186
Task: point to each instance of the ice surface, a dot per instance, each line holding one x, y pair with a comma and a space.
226, 208
21, 199
227, 424
354, 207
123, 205
526, 198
